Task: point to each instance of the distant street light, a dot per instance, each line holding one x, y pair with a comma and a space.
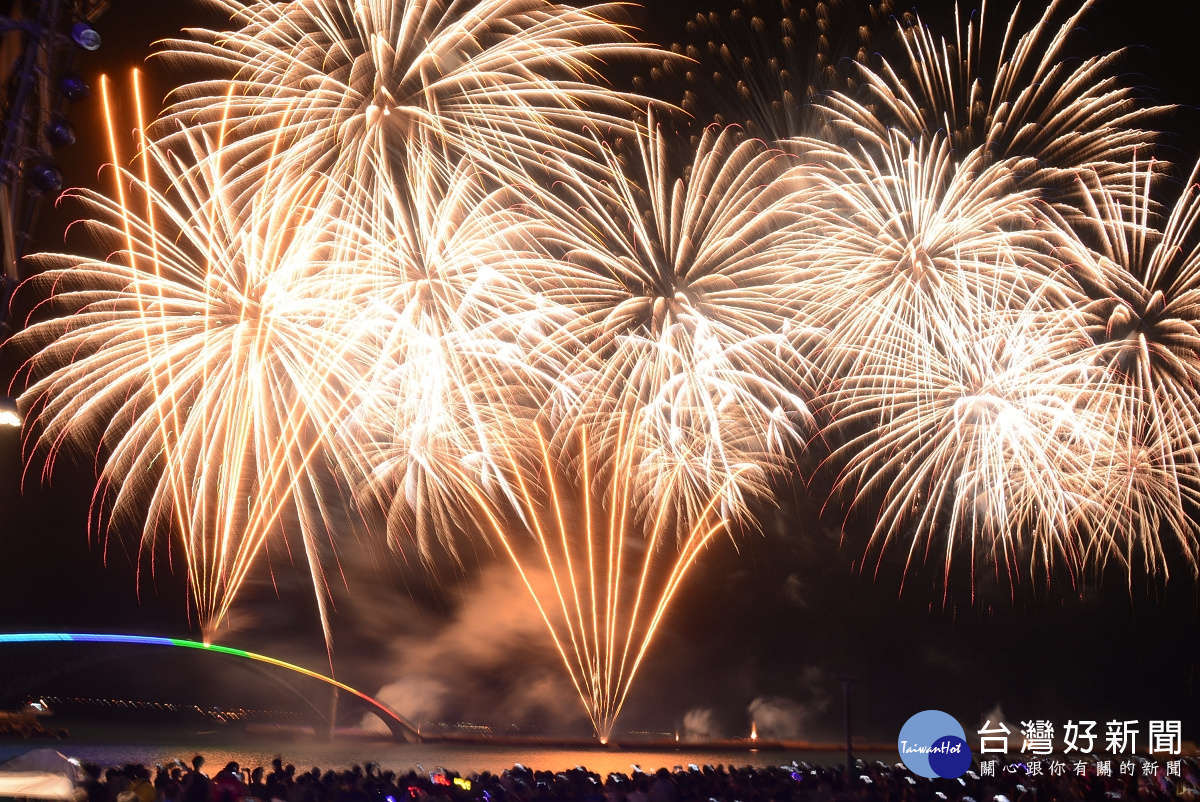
9, 414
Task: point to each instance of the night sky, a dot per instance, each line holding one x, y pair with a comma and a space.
766, 622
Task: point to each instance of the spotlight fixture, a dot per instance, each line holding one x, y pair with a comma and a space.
85, 36
46, 176
73, 87
59, 132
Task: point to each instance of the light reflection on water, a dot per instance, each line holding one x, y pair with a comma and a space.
463, 758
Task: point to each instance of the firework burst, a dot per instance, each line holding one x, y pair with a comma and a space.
448, 328
985, 449
903, 248
351, 88
1023, 100
677, 310
1140, 324
205, 360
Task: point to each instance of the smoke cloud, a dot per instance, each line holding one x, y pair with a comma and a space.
493, 662
781, 717
700, 724
777, 717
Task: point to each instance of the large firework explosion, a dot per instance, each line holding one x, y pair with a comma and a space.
418, 257
207, 358
679, 314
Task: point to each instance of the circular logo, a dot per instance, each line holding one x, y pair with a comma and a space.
933, 744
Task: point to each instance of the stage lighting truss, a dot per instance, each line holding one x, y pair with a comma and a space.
39, 41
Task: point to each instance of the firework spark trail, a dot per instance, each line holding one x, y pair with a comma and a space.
1031, 102
349, 87
613, 585
678, 313
205, 358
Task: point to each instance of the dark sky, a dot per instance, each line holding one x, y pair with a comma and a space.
773, 617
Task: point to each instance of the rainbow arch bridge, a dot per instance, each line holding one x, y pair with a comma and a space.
400, 727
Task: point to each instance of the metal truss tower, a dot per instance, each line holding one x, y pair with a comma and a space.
39, 40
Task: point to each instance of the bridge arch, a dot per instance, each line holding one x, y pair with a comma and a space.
401, 728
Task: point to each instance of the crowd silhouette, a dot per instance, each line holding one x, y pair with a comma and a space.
875, 782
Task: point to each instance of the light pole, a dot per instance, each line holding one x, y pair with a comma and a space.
845, 680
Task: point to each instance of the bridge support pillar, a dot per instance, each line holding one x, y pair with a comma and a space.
331, 721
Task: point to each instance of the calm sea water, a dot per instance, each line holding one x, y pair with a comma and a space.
463, 758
